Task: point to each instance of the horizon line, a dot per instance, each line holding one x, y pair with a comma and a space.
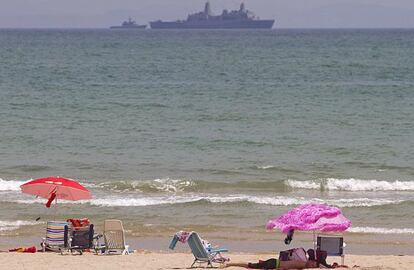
278, 28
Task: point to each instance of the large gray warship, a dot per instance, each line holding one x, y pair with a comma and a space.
130, 24
234, 19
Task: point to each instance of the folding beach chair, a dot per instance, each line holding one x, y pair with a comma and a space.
333, 245
114, 237
78, 238
55, 236
203, 255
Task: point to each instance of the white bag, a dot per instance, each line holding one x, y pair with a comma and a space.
298, 254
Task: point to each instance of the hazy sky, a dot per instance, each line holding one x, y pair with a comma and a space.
288, 13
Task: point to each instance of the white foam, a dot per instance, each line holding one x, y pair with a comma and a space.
171, 185
148, 201
381, 230
353, 202
163, 185
361, 202
275, 201
6, 185
265, 167
304, 184
352, 184
6, 225
368, 185
127, 201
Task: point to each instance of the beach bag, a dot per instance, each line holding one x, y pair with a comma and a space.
79, 223
295, 254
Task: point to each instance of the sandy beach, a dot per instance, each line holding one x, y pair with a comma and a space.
156, 261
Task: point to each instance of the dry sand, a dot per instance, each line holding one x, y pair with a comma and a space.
156, 261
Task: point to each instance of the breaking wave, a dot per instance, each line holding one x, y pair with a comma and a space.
374, 230
6, 185
352, 184
129, 201
156, 185
14, 225
180, 185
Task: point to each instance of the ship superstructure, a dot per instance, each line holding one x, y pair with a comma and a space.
234, 19
130, 24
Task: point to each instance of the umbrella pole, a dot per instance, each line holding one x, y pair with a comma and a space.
314, 242
55, 211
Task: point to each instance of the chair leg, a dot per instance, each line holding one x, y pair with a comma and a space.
209, 264
195, 260
126, 250
343, 259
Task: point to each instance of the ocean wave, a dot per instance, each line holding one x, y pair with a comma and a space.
217, 199
352, 184
182, 185
156, 185
6, 185
6, 225
167, 185
303, 184
374, 230
129, 201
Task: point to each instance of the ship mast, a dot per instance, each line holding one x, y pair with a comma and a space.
242, 8
207, 9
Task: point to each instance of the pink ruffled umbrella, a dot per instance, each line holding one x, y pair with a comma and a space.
310, 217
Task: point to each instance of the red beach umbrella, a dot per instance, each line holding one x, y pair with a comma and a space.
56, 187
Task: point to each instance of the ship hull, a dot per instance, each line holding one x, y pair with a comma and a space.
129, 27
253, 24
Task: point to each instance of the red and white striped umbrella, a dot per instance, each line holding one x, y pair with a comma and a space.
56, 187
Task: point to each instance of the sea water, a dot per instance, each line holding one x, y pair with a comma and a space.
209, 130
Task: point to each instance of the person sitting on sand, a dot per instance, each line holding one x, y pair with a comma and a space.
275, 264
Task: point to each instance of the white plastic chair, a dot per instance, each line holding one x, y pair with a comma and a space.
114, 237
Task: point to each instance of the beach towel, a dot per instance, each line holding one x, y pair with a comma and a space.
183, 236
79, 223
24, 250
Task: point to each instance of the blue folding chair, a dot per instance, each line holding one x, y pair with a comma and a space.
202, 254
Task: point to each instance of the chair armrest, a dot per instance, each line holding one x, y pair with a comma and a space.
97, 236
219, 250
